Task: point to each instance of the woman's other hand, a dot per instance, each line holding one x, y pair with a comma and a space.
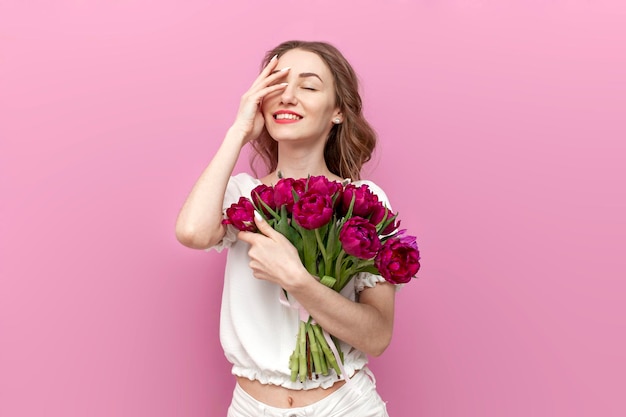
272, 257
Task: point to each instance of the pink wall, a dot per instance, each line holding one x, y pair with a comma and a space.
502, 145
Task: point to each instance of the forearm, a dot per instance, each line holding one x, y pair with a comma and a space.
365, 325
199, 220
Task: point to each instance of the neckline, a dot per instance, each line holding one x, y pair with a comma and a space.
258, 181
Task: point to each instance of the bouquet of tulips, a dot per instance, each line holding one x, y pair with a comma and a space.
339, 229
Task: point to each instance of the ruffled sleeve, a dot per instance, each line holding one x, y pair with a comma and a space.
238, 185
366, 280
227, 241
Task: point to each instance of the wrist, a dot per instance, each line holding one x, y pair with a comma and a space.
238, 134
299, 283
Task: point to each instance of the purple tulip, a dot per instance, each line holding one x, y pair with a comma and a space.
378, 213
398, 259
322, 185
283, 195
265, 194
364, 203
241, 215
313, 210
358, 238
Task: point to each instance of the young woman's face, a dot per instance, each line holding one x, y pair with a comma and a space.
305, 109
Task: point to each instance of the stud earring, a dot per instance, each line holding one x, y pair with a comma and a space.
337, 120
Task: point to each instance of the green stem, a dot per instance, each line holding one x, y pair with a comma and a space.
309, 245
293, 359
322, 249
338, 265
315, 350
302, 354
326, 349
357, 267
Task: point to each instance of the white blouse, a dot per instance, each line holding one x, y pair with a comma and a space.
257, 332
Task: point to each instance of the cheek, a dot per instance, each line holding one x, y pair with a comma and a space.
267, 114
322, 108
330, 106
269, 101
271, 97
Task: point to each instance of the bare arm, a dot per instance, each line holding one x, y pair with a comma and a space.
366, 325
199, 222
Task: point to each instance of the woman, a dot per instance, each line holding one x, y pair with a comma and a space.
302, 115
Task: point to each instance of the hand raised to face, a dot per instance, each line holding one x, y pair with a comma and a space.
249, 121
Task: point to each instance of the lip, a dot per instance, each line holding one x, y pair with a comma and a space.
286, 121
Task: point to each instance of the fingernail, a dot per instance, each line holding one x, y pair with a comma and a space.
284, 69
257, 215
274, 57
285, 84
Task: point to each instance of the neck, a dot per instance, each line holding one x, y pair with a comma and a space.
300, 162
291, 172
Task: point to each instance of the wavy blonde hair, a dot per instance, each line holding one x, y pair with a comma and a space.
351, 143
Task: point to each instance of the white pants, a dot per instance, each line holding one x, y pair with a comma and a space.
358, 399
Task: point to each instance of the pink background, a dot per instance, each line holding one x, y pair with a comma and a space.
501, 145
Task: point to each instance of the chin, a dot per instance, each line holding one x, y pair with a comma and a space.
279, 134
284, 138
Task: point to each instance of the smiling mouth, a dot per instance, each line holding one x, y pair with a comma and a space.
287, 116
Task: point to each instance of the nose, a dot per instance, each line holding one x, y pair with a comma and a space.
288, 95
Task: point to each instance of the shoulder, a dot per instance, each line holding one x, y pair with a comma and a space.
243, 178
243, 182
375, 188
239, 185
371, 184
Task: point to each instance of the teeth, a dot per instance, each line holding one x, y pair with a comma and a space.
288, 116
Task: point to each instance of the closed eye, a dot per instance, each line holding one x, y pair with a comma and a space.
309, 88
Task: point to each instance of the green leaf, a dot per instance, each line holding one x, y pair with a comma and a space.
266, 207
349, 213
386, 222
284, 228
333, 246
328, 281
310, 249
295, 195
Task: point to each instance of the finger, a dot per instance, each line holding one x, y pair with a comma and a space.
248, 237
269, 79
251, 104
263, 226
258, 96
271, 65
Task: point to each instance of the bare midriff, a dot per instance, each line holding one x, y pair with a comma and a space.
281, 397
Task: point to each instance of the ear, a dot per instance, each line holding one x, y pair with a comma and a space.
337, 115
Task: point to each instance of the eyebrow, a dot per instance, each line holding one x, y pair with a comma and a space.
304, 75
